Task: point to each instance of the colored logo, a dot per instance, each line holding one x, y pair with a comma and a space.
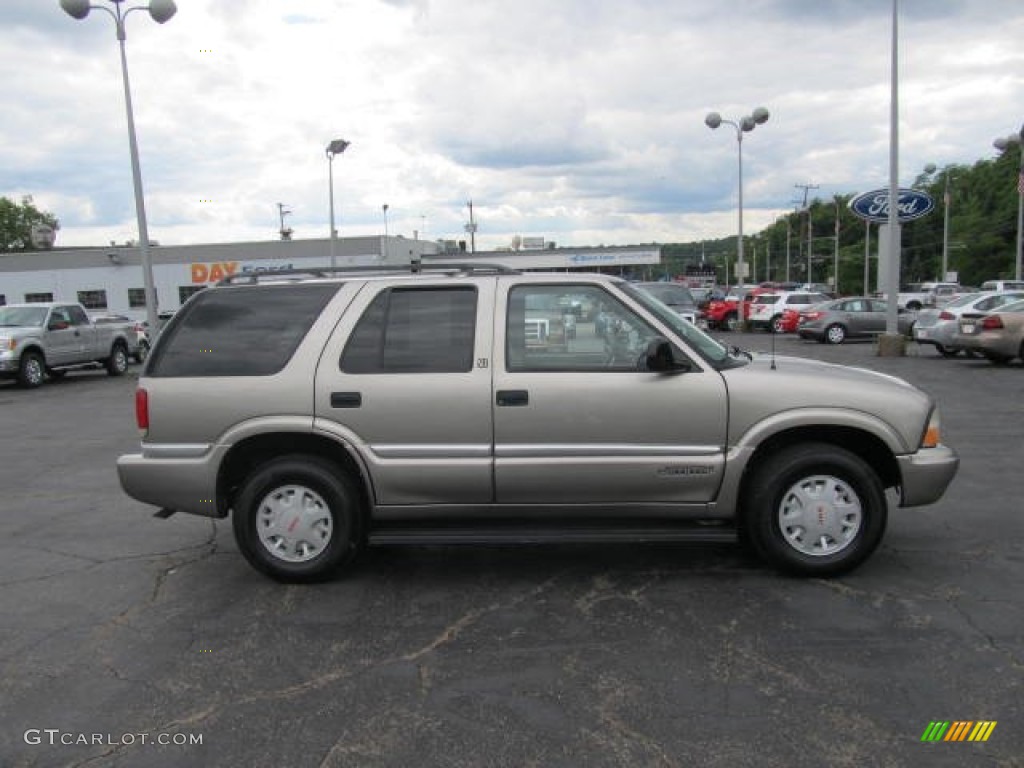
874, 206
958, 730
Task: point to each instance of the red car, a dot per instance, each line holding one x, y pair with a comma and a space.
790, 320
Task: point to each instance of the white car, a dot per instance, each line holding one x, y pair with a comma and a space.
766, 309
938, 325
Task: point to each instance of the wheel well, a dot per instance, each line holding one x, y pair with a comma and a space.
36, 350
866, 446
249, 454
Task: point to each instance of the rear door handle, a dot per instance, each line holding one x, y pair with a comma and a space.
512, 397
346, 399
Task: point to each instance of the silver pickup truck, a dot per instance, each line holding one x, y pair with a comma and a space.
37, 340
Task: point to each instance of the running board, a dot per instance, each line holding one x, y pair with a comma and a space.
450, 535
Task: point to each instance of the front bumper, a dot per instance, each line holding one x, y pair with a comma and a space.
925, 475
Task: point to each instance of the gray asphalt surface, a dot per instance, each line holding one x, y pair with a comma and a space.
124, 631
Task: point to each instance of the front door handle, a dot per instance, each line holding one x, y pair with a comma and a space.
512, 397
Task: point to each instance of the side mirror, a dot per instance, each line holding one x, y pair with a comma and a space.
660, 358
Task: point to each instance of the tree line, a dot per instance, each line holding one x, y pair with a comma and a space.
983, 200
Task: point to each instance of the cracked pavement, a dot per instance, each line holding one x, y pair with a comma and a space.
114, 623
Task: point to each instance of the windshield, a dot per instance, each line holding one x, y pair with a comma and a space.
708, 348
14, 317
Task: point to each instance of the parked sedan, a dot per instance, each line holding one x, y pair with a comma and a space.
997, 336
937, 326
851, 318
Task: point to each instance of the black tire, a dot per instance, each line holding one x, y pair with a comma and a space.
947, 351
117, 363
31, 371
332, 529
775, 326
847, 520
732, 322
141, 353
834, 334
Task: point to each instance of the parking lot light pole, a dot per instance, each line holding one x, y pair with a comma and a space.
336, 147
160, 11
1003, 145
746, 124
930, 168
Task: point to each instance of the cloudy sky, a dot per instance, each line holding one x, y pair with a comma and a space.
581, 121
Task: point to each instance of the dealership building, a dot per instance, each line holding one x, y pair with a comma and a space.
110, 279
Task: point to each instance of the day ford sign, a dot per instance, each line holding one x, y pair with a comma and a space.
874, 206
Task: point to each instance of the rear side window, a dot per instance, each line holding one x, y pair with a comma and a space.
239, 331
414, 330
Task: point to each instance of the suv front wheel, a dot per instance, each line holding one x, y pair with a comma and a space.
815, 510
296, 519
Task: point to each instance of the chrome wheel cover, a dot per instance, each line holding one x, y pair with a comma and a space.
294, 523
820, 515
836, 334
34, 371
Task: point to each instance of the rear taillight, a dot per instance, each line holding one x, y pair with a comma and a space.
991, 323
142, 409
944, 315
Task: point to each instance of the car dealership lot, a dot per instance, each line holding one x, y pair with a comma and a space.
131, 629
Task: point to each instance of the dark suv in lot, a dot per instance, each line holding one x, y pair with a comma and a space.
328, 412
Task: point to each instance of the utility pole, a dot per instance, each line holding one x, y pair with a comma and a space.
286, 232
471, 228
835, 284
810, 236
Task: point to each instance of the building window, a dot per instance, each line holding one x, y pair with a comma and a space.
3, 300
38, 298
186, 291
95, 299
137, 298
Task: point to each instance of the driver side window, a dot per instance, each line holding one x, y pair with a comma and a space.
572, 328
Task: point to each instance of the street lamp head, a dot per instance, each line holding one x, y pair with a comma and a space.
76, 9
747, 124
162, 10
337, 146
761, 115
930, 168
713, 120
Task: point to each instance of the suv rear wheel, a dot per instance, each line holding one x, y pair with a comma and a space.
815, 510
296, 519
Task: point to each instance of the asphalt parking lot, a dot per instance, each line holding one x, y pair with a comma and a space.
132, 641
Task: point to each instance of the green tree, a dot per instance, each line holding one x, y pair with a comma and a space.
17, 220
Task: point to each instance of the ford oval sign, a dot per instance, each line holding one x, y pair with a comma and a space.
874, 206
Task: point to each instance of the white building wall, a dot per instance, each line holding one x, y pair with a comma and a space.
180, 270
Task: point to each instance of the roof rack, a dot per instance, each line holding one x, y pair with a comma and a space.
297, 273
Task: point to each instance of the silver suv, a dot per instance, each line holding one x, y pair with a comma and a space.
326, 413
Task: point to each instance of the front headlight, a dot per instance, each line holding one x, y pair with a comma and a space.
932, 433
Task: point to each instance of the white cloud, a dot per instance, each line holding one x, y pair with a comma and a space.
578, 120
